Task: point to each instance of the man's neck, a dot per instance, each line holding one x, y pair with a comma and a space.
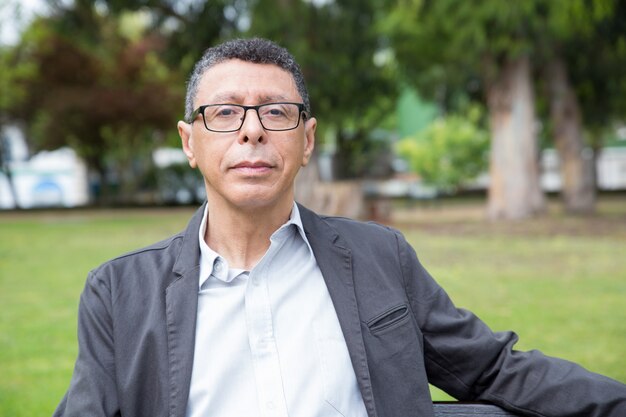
242, 236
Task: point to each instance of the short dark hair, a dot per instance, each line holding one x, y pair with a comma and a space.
255, 50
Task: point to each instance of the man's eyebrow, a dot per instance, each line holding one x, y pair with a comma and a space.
236, 98
274, 97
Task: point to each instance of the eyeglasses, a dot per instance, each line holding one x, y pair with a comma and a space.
230, 117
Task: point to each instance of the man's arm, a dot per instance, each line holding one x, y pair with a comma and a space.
466, 359
93, 390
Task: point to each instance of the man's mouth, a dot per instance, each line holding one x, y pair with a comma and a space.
252, 167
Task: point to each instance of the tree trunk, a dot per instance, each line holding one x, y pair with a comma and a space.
514, 188
597, 151
575, 159
336, 198
11, 181
102, 195
5, 167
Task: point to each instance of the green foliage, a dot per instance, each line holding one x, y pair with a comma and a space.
451, 151
66, 77
596, 60
342, 54
590, 38
189, 27
443, 46
14, 72
104, 91
16, 69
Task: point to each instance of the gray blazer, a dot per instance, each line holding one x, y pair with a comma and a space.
136, 330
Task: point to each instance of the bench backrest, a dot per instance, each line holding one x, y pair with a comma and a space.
459, 409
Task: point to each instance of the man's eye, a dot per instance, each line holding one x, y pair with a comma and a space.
275, 111
224, 112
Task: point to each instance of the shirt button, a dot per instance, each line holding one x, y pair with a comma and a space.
218, 266
271, 405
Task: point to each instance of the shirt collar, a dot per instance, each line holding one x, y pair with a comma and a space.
295, 220
209, 259
207, 255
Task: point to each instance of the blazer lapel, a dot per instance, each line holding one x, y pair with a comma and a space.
181, 299
335, 261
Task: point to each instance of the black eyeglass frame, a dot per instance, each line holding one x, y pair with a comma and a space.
200, 110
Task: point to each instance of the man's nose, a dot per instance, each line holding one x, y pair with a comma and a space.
252, 130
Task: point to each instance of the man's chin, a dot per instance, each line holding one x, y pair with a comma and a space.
261, 201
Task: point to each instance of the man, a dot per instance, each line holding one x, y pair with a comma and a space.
262, 308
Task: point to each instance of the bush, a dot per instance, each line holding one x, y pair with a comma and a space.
450, 152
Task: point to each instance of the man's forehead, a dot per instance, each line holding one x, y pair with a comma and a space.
237, 80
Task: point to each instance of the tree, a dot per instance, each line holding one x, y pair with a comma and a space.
498, 48
514, 188
343, 59
586, 86
576, 165
14, 73
480, 47
189, 28
104, 94
565, 24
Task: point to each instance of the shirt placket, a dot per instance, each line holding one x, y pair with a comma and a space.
261, 337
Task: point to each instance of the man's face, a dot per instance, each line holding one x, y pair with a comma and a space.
250, 168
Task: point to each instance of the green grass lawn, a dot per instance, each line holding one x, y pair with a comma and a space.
44, 260
559, 282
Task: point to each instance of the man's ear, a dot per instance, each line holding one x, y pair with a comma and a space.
184, 131
309, 139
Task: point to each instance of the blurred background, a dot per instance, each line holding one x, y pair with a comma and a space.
415, 99
435, 116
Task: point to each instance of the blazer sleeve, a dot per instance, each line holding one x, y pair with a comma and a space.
469, 361
92, 390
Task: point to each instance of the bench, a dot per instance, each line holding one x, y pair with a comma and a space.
460, 409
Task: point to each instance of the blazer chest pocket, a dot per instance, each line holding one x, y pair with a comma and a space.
388, 319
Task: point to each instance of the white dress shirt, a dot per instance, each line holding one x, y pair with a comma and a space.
268, 341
